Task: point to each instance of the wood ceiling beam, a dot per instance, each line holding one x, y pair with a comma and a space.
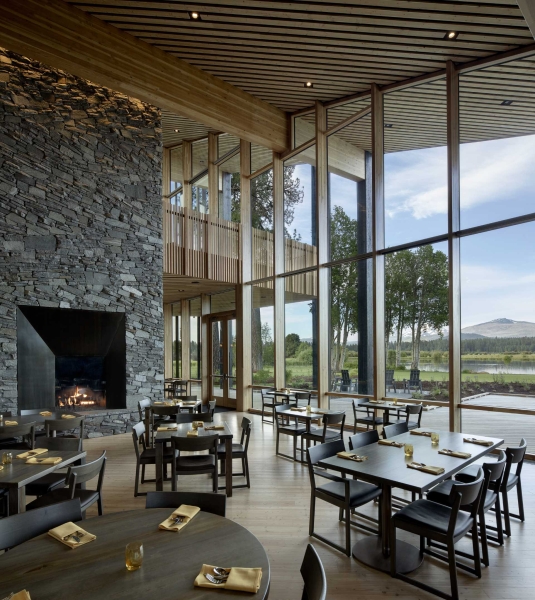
68, 38
528, 10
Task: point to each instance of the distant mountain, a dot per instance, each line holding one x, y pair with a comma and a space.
500, 328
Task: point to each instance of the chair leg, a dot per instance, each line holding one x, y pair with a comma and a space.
215, 482
520, 500
506, 516
247, 476
136, 486
475, 546
484, 541
393, 548
348, 531
142, 473
499, 522
453, 571
277, 444
99, 505
312, 514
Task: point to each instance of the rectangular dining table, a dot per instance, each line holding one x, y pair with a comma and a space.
314, 415
386, 406
386, 467
17, 475
225, 435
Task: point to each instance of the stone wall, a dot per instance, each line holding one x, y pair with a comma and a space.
80, 212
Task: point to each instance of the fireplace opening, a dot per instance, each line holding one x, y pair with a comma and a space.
80, 383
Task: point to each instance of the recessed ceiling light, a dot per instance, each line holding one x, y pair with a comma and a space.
194, 15
309, 84
507, 103
177, 130
389, 125
451, 35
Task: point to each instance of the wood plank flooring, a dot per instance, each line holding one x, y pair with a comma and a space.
276, 510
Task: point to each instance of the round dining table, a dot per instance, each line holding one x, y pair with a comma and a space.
49, 570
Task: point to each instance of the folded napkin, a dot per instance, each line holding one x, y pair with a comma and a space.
213, 427
351, 456
167, 428
319, 411
240, 579
184, 510
11, 423
53, 460
46, 413
426, 468
197, 424
391, 443
376, 401
30, 453
189, 403
420, 432
299, 408
158, 403
469, 440
65, 534
192, 433
22, 595
68, 417
455, 453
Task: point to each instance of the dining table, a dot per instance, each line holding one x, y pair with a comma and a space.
315, 414
17, 475
38, 418
181, 430
384, 405
386, 467
48, 569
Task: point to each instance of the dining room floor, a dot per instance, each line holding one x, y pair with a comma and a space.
276, 510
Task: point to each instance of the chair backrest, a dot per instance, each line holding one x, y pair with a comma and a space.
211, 406
141, 406
187, 417
212, 503
64, 425
390, 431
82, 473
165, 411
303, 396
23, 412
363, 439
345, 377
334, 418
466, 494
24, 526
61, 443
389, 373
25, 430
317, 453
186, 398
414, 409
515, 456
138, 434
313, 575
264, 391
279, 408
415, 375
246, 425
204, 417
195, 444
6, 413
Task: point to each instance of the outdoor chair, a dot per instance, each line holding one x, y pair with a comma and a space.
390, 381
345, 383
413, 382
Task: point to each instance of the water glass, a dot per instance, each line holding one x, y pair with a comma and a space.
134, 556
409, 449
7, 458
435, 438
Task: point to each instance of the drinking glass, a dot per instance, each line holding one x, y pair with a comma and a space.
7, 458
409, 449
435, 438
134, 556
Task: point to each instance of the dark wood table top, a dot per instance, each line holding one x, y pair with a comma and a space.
167, 403
50, 570
383, 405
388, 464
18, 473
307, 415
39, 419
280, 393
183, 428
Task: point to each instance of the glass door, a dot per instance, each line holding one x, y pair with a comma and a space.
223, 347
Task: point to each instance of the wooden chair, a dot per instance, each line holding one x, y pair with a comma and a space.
344, 383
444, 524
313, 575
347, 494
195, 464
212, 503
363, 439
325, 434
239, 451
147, 456
8, 433
162, 415
24, 526
270, 402
410, 410
184, 398
413, 381
57, 479
211, 409
77, 475
390, 431
296, 430
390, 382
303, 396
53, 426
364, 415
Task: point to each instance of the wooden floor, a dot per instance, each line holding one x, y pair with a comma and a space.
276, 510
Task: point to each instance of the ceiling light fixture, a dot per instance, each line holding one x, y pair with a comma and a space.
309, 84
389, 125
451, 35
194, 15
507, 103
177, 130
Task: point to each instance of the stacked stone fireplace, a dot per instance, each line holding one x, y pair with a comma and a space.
80, 231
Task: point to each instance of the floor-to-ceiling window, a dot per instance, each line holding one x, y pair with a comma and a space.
176, 340
195, 338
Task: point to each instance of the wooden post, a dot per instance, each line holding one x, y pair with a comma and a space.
280, 282
379, 387
186, 173
186, 340
168, 340
206, 332
454, 247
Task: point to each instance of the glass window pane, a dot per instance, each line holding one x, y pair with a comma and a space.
260, 157
199, 195
497, 128
338, 114
300, 210
176, 168
498, 331
262, 338
195, 337
199, 156
262, 225
301, 314
229, 189
416, 166
177, 340
226, 143
304, 128
223, 302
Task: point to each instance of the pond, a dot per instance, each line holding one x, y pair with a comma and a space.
515, 367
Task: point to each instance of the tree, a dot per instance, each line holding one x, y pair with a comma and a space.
292, 344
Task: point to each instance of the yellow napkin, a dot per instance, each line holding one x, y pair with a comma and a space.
22, 595
391, 443
426, 468
184, 510
192, 433
68, 417
469, 440
197, 424
455, 453
240, 579
11, 423
158, 403
299, 408
53, 460
376, 401
46, 413
351, 456
319, 411
30, 453
167, 428
213, 427
64, 533
189, 403
421, 432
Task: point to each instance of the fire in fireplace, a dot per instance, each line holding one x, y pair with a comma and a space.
80, 382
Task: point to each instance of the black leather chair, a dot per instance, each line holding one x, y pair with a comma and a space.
313, 575
444, 524
212, 503
239, 451
345, 493
147, 456
268, 402
22, 527
363, 439
294, 430
195, 464
365, 416
411, 410
390, 431
77, 475
320, 435
493, 475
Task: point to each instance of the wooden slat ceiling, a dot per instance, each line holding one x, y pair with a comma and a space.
270, 48
176, 288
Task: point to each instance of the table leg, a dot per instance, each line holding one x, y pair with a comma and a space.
147, 427
159, 466
17, 500
228, 466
